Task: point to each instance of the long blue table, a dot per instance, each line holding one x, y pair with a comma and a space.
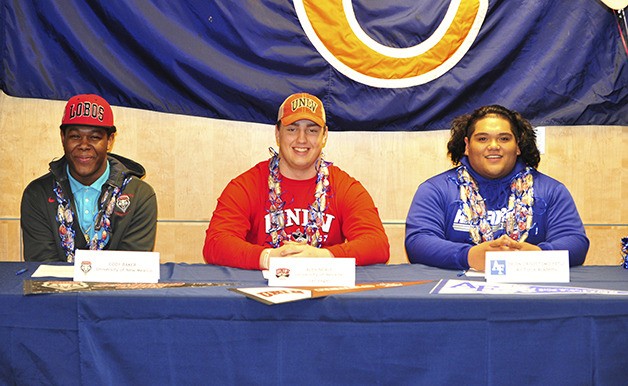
395, 336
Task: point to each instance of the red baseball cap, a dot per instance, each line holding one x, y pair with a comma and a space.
302, 106
88, 110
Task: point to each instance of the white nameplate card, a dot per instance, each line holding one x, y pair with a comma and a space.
311, 272
527, 267
116, 266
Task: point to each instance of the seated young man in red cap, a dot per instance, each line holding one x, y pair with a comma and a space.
90, 199
295, 204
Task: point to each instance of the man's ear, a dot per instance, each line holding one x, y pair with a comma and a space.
110, 141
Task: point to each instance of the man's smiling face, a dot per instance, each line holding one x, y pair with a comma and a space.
492, 147
85, 150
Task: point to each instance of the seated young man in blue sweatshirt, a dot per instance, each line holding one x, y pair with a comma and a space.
494, 199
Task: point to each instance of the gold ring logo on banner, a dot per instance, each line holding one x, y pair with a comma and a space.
334, 31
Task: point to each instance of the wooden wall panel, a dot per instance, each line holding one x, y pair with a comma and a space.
10, 242
605, 246
181, 242
190, 159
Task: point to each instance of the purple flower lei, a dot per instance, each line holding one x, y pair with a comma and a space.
65, 218
518, 218
316, 209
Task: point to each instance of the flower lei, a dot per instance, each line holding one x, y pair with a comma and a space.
65, 218
518, 218
316, 209
624, 252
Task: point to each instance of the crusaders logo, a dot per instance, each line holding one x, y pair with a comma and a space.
337, 34
123, 202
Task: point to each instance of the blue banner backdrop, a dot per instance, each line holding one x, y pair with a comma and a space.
556, 62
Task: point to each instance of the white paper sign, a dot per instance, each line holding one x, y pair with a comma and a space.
275, 295
45, 270
116, 266
527, 267
311, 272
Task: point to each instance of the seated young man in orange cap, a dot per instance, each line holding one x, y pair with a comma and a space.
90, 199
296, 204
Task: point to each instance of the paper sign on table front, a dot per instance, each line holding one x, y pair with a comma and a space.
311, 272
527, 267
116, 266
468, 287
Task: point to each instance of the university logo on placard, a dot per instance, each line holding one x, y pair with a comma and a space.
498, 267
86, 266
282, 272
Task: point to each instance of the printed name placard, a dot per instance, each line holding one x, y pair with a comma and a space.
116, 266
527, 267
311, 272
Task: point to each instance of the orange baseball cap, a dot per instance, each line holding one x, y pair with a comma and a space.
302, 106
88, 110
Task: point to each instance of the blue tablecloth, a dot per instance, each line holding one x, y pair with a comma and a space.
396, 336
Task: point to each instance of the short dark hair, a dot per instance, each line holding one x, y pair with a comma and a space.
108, 129
463, 127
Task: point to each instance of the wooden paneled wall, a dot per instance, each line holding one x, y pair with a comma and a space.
190, 159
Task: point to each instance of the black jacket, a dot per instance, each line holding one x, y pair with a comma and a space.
133, 221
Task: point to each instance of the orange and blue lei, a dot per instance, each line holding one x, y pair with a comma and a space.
518, 219
65, 218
